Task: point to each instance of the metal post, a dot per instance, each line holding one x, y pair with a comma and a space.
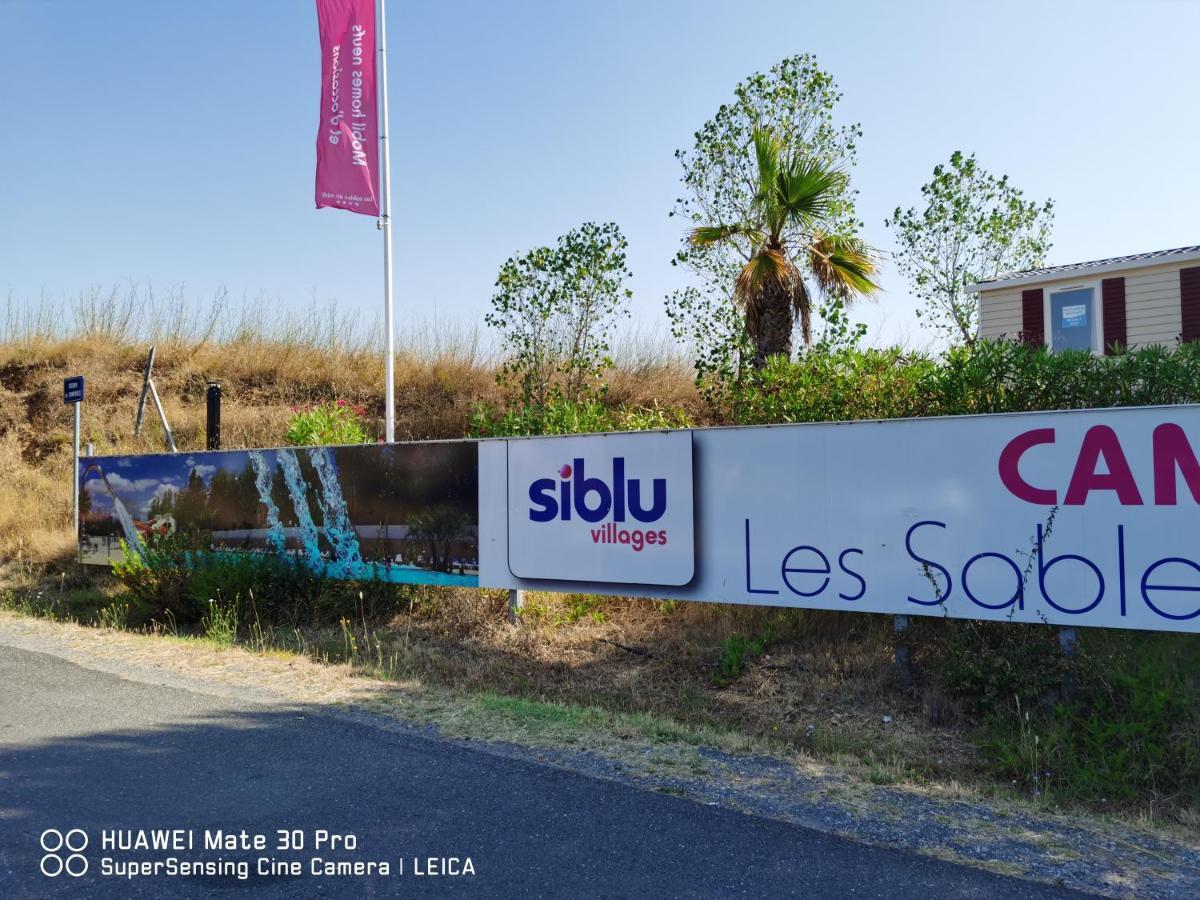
385, 223
213, 429
141, 408
1068, 640
75, 478
162, 415
903, 655
516, 600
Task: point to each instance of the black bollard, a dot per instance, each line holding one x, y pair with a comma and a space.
214, 415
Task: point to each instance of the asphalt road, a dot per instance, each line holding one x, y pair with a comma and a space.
81, 749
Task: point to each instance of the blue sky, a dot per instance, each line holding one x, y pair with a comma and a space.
174, 142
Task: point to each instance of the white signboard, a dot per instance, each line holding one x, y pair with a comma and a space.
1075, 316
611, 509
1076, 518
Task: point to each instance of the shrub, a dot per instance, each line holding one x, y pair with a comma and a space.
156, 580
735, 651
171, 582
989, 377
566, 417
990, 665
834, 386
325, 424
1130, 733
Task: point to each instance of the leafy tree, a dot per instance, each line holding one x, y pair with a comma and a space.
788, 234
795, 100
162, 504
555, 308
974, 226
439, 527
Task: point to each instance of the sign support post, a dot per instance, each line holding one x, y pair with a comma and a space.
148, 389
75, 474
516, 600
385, 225
73, 395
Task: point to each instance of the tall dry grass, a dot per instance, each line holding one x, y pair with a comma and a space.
267, 361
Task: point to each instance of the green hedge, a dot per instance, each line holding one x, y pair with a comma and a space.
990, 377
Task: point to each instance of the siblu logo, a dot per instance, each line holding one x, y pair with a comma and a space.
593, 498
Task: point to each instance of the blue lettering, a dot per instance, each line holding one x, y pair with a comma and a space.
823, 569
585, 486
1192, 588
618, 493
749, 589
927, 564
1044, 567
541, 493
862, 581
1018, 597
658, 505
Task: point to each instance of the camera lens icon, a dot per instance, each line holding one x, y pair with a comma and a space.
74, 842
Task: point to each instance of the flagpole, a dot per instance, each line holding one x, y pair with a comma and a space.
385, 225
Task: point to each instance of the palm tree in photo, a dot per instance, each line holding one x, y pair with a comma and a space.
789, 234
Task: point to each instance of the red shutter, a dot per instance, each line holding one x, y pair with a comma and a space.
1189, 302
1033, 318
1112, 292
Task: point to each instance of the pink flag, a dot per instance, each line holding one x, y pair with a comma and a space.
348, 139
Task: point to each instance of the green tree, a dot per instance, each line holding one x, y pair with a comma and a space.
974, 226
796, 101
555, 308
788, 235
439, 527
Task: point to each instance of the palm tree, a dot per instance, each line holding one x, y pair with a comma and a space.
790, 226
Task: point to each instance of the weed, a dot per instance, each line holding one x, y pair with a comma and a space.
114, 616
220, 623
734, 652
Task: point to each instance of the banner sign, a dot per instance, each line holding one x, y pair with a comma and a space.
1088, 518
399, 513
614, 510
348, 136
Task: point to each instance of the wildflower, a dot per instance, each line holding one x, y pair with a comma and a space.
341, 403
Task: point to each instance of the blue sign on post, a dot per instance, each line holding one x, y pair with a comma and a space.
73, 389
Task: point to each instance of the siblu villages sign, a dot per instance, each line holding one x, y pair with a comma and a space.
1081, 518
1087, 518
613, 509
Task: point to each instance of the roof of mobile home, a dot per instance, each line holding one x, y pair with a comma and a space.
1095, 267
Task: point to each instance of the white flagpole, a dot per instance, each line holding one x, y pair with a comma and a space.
385, 224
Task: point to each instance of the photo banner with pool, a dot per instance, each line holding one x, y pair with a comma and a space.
1088, 518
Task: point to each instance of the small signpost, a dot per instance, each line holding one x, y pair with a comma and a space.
73, 395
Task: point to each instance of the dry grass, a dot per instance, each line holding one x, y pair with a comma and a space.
825, 682
267, 364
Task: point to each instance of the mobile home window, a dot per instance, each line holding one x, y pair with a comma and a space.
1074, 320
